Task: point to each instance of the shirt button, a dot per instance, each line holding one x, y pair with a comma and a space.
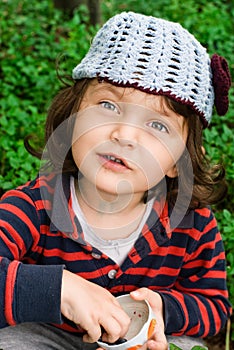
111, 274
96, 256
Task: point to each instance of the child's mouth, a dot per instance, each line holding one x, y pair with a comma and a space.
113, 162
113, 159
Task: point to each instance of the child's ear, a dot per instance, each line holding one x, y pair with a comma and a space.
172, 172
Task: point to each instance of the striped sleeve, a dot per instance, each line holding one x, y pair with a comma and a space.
198, 303
26, 292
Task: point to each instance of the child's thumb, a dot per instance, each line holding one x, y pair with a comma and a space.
153, 298
140, 294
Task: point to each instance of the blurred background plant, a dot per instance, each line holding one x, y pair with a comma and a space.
35, 34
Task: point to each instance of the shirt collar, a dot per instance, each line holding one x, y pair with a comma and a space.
61, 219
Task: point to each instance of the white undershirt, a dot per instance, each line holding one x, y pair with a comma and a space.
116, 249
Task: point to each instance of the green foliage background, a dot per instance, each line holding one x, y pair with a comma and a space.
33, 35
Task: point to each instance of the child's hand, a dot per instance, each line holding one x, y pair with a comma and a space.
155, 301
93, 308
157, 342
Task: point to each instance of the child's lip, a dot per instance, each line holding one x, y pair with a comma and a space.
114, 157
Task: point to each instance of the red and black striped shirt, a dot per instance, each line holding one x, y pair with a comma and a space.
40, 236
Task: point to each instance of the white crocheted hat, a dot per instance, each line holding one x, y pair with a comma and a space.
153, 55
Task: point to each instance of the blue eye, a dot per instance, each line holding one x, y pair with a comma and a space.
159, 126
109, 105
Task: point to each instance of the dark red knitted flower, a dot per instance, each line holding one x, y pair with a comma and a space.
221, 83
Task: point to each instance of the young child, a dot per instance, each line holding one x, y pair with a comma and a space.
123, 202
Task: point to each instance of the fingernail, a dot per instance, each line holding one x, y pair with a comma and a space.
135, 293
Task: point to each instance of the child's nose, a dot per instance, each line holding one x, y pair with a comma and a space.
126, 135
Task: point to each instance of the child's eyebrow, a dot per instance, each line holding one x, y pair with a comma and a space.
110, 88
159, 106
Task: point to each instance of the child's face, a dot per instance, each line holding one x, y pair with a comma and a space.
125, 140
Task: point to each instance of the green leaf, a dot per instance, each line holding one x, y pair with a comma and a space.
174, 347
